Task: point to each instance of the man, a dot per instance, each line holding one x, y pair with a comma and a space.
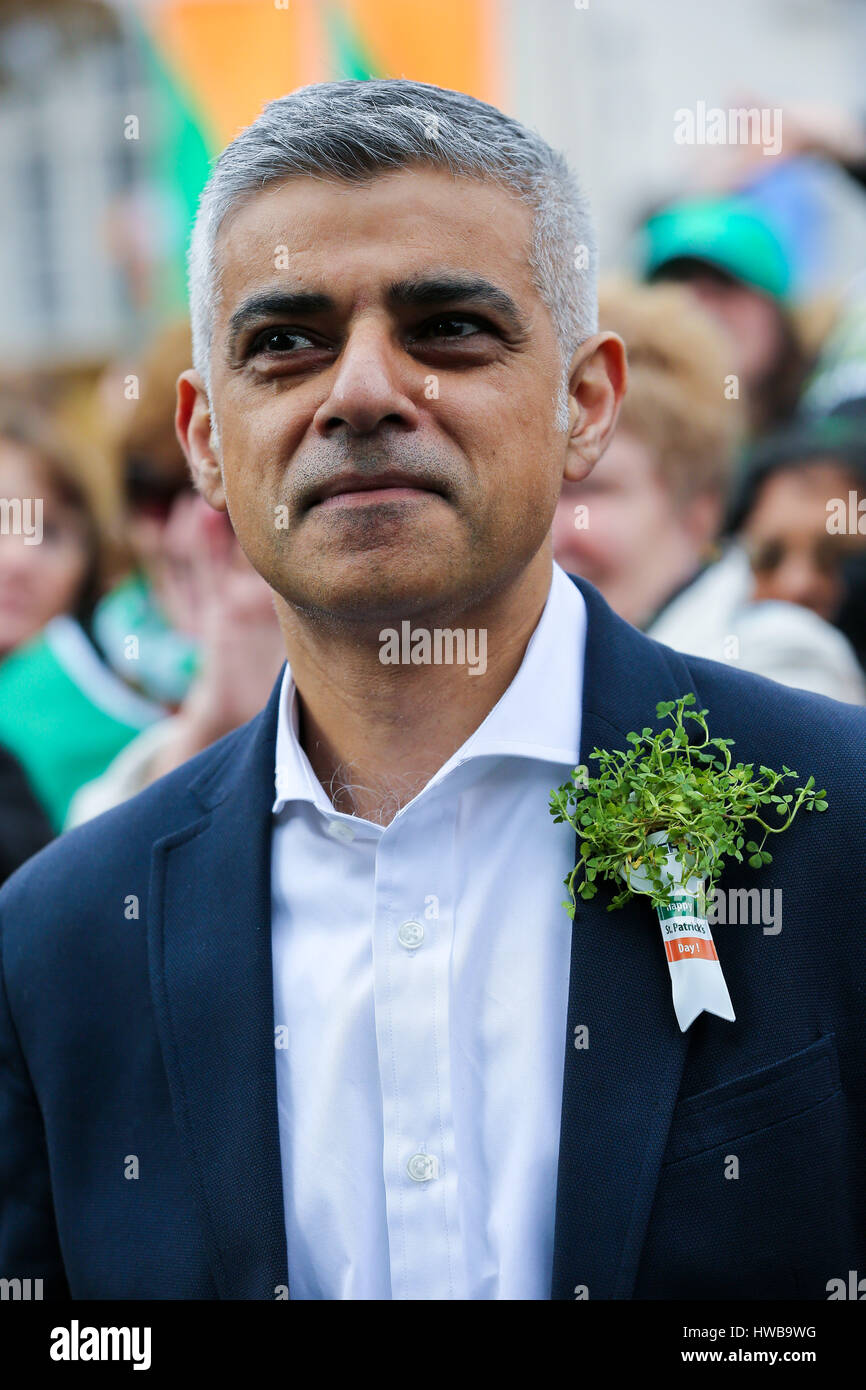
331, 1044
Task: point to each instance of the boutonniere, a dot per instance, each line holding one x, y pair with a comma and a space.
661, 819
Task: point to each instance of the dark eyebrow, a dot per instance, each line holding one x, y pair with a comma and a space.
469, 289
272, 303
438, 289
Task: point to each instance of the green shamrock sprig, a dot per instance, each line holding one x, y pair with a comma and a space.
690, 790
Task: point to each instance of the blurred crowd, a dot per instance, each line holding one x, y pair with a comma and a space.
132, 636
727, 518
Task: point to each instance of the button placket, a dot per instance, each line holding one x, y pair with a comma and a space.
412, 1026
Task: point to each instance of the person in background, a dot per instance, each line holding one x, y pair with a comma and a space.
50, 551
63, 713
645, 522
642, 527
241, 655
803, 534
154, 602
733, 263
798, 523
206, 639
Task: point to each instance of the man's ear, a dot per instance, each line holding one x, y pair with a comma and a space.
193, 425
597, 384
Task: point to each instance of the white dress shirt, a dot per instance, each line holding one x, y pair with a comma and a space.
420, 994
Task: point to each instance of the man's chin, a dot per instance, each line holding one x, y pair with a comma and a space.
377, 523
372, 591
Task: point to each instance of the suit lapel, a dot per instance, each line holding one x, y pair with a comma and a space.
618, 1091
209, 944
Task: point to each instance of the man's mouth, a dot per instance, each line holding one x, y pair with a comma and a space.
371, 489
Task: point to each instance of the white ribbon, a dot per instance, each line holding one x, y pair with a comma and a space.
697, 983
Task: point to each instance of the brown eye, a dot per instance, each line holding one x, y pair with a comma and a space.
280, 340
451, 326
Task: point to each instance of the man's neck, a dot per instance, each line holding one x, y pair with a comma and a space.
376, 732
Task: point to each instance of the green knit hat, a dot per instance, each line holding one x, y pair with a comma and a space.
724, 233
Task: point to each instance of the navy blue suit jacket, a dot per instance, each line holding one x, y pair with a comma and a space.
136, 1019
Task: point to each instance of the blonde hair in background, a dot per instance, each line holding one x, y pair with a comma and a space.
681, 401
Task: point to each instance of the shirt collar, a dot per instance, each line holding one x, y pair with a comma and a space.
538, 716
294, 779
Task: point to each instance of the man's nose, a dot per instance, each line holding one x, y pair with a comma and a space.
370, 384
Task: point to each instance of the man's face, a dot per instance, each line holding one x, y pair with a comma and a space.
388, 447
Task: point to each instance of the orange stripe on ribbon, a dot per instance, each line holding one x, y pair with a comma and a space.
690, 948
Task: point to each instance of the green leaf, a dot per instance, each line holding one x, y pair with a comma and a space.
690, 790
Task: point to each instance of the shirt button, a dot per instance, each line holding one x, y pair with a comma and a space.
340, 830
423, 1167
410, 935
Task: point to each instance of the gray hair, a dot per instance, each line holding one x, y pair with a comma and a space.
353, 130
